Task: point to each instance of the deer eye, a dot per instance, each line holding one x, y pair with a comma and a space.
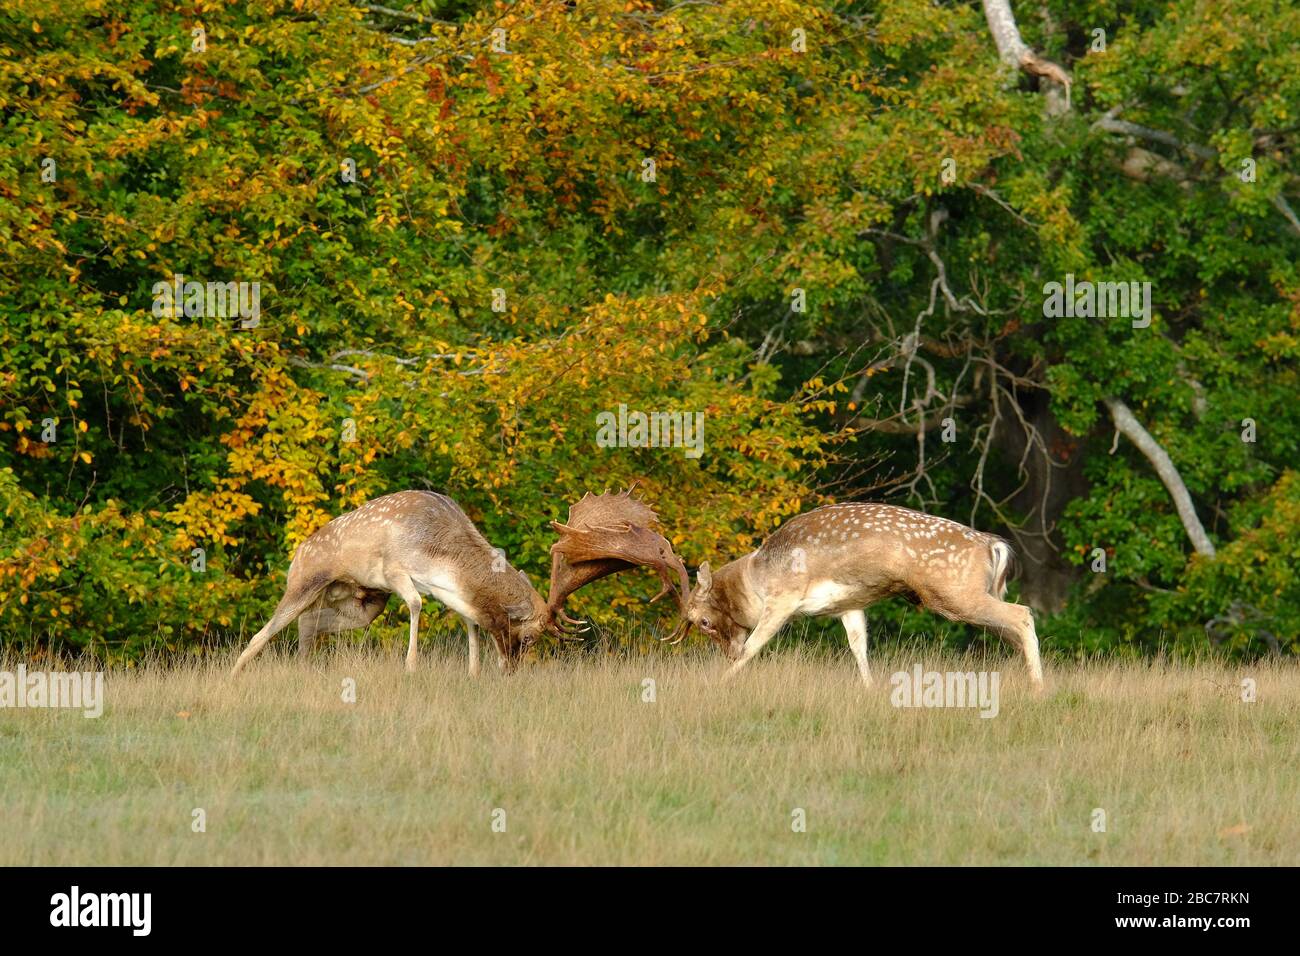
706, 624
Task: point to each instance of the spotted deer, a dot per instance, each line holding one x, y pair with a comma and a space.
839, 559
411, 543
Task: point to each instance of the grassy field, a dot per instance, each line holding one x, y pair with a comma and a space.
587, 772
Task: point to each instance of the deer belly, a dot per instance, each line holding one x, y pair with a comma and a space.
440, 584
831, 597
367, 572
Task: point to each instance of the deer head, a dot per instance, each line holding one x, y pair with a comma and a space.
606, 534
523, 621
711, 608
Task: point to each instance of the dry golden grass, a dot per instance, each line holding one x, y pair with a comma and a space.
588, 773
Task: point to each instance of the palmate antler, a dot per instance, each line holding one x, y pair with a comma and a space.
606, 534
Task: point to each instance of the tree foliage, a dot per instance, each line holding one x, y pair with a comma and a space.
562, 207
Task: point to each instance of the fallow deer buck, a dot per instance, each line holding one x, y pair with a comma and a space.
838, 560
411, 543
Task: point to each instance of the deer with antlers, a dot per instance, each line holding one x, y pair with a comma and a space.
411, 543
416, 543
838, 560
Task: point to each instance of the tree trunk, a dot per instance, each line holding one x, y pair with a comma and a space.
1046, 578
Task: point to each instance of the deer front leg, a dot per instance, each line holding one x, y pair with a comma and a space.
405, 589
855, 626
769, 622
471, 629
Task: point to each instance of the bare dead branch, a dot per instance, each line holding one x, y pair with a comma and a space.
1131, 428
1110, 124
985, 191
897, 425
1014, 51
404, 15
1281, 205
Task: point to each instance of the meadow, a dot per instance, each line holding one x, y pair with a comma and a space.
569, 762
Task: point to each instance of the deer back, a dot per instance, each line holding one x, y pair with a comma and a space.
872, 551
410, 532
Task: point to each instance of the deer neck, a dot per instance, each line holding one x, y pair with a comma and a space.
506, 586
743, 589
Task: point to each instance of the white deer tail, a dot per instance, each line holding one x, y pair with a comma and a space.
1003, 559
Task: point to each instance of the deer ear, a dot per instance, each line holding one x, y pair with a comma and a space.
517, 612
704, 579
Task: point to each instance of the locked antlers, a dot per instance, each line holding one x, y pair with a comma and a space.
606, 534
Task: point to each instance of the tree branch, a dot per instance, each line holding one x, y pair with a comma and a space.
1281, 205
898, 425
404, 15
1130, 427
1109, 124
1015, 51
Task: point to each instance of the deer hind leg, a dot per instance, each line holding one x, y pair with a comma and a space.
1015, 623
258, 642
405, 589
855, 626
309, 628
1029, 647
323, 616
288, 609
